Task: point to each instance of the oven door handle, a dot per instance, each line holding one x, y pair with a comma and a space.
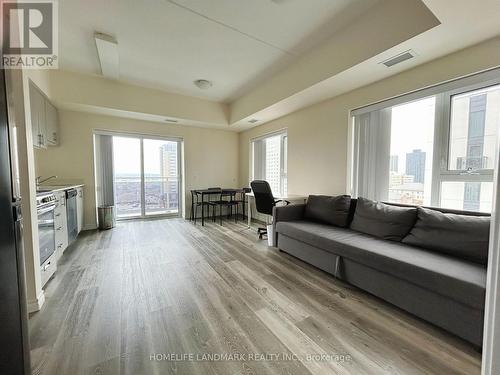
44, 210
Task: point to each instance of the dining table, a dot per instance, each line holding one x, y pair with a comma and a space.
207, 192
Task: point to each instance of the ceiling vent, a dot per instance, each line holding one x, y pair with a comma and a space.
399, 58
253, 121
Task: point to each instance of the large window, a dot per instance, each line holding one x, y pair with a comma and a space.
437, 148
146, 176
269, 161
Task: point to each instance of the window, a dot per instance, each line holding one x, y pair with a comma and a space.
436, 148
146, 176
269, 161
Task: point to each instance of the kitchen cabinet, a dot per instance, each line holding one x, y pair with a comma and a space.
44, 119
61, 223
37, 108
79, 208
51, 127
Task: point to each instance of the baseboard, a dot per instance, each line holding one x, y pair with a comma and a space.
37, 304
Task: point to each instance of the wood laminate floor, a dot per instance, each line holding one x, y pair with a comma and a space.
126, 301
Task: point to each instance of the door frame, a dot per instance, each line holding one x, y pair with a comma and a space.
141, 137
491, 332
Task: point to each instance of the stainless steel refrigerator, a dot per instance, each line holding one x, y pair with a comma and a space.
14, 337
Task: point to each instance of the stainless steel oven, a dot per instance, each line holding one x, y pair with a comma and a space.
46, 203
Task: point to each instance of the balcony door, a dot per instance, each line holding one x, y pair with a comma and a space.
146, 176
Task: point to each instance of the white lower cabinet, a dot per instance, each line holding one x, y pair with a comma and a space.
61, 223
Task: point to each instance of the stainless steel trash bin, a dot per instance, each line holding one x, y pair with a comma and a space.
106, 217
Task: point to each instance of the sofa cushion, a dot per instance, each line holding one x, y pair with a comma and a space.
383, 220
463, 236
454, 278
327, 209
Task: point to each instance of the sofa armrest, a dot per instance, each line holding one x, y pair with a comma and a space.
286, 213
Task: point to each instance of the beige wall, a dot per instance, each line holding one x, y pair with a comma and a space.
91, 93
211, 156
318, 135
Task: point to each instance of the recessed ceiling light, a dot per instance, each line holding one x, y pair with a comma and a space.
203, 84
253, 121
171, 120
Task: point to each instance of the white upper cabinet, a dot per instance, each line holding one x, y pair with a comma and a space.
44, 120
51, 124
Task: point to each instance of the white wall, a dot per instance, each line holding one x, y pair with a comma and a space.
211, 156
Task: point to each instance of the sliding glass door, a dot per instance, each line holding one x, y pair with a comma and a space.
146, 176
161, 177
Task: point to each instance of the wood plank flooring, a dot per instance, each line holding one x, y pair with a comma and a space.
159, 296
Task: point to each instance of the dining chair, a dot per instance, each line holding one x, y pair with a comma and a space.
242, 199
226, 199
197, 202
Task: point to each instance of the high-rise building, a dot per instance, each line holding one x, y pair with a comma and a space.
168, 175
394, 163
475, 149
273, 168
415, 165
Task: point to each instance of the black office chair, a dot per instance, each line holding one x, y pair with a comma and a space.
264, 201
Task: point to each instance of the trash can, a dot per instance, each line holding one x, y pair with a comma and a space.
270, 235
106, 217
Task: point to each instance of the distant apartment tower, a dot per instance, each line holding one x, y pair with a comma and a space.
474, 158
273, 167
394, 163
415, 165
168, 174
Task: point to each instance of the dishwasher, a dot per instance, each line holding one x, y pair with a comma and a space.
71, 212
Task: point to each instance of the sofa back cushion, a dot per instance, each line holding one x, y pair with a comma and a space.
462, 236
383, 220
327, 209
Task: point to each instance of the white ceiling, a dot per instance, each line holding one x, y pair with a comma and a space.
168, 44
462, 25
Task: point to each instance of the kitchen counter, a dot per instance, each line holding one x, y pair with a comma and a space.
43, 188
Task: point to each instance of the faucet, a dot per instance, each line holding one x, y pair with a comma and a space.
39, 181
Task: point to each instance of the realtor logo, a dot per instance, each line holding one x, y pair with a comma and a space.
29, 34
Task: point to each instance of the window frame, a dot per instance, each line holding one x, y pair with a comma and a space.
180, 172
444, 94
442, 143
283, 133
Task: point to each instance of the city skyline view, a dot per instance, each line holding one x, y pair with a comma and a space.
161, 182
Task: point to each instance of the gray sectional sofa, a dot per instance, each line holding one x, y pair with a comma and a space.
430, 262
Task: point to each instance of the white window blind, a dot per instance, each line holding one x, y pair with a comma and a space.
269, 161
103, 148
371, 150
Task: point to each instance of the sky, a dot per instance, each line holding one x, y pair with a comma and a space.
127, 155
412, 128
